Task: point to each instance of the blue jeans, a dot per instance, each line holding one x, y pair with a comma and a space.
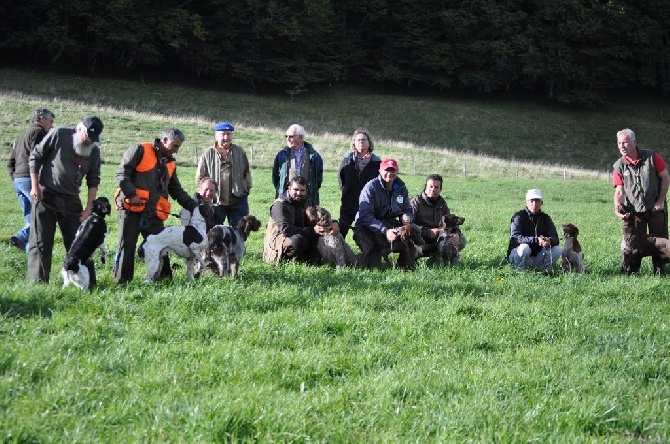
22, 188
233, 212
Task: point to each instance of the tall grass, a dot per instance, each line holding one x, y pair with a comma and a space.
295, 353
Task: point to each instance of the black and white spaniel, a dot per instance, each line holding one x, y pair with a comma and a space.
78, 268
226, 245
189, 242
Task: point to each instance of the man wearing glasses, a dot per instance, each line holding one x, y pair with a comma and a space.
298, 158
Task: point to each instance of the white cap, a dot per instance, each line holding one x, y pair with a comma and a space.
534, 194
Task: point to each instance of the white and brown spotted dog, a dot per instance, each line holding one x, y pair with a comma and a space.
78, 268
447, 252
189, 242
573, 256
226, 245
332, 247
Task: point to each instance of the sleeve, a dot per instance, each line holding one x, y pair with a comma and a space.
178, 193
202, 169
366, 211
415, 202
617, 180
247, 170
11, 162
282, 218
275, 171
41, 152
319, 170
407, 207
93, 175
552, 234
659, 163
126, 172
340, 176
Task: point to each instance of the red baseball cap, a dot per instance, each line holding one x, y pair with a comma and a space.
389, 163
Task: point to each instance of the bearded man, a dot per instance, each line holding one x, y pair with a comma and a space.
58, 166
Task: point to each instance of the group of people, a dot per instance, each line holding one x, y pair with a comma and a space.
49, 165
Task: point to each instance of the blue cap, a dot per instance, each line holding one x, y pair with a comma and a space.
224, 126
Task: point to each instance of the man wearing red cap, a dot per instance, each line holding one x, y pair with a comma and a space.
383, 205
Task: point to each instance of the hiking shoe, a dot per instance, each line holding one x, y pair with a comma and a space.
18, 243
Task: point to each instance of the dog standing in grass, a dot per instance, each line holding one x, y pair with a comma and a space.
572, 255
226, 245
78, 268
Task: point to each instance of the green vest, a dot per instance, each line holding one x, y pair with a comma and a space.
641, 183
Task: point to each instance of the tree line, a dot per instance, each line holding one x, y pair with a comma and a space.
573, 51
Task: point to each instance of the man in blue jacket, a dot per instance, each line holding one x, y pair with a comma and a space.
533, 241
382, 206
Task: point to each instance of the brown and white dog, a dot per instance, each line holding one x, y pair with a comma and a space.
226, 245
447, 252
573, 256
332, 248
636, 244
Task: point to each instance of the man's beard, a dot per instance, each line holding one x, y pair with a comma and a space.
80, 148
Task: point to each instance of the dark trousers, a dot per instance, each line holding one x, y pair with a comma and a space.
345, 221
131, 225
231, 212
45, 214
655, 224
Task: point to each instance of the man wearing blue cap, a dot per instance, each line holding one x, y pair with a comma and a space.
227, 165
58, 165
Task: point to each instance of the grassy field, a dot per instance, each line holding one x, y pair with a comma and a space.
473, 353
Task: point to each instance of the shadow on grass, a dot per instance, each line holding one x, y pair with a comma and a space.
24, 308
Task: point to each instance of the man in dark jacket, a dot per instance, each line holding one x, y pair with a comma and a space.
58, 165
289, 234
383, 205
429, 208
533, 239
298, 158
147, 176
19, 170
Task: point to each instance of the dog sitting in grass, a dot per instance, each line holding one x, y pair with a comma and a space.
332, 248
78, 268
448, 252
572, 255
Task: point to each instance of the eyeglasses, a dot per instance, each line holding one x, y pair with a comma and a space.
292, 136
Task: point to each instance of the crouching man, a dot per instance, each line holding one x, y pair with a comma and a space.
289, 234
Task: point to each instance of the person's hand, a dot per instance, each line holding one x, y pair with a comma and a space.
85, 214
434, 232
334, 228
658, 206
321, 230
391, 235
36, 193
454, 239
406, 219
135, 201
544, 241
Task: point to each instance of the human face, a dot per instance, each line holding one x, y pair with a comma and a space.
170, 147
297, 191
361, 144
46, 122
388, 175
534, 205
83, 136
224, 139
293, 139
433, 188
207, 190
627, 147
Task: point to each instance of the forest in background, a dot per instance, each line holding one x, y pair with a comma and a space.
573, 51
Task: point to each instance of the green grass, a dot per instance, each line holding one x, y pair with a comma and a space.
473, 353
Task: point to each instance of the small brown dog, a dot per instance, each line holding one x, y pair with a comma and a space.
573, 256
332, 247
447, 252
636, 244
